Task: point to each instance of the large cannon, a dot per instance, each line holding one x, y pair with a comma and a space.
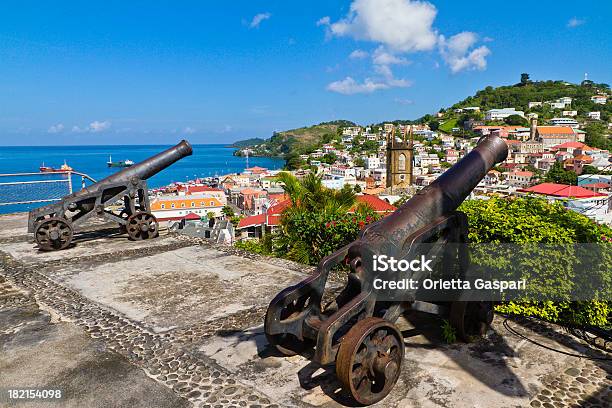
121, 197
356, 329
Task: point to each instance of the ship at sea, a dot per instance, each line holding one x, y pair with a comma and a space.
48, 169
121, 163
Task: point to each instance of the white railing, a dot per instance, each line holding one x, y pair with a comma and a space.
31, 188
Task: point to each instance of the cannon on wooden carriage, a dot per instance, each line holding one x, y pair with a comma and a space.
121, 197
356, 329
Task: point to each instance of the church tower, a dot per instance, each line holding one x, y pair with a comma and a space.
399, 160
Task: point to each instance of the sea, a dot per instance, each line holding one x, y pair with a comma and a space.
208, 160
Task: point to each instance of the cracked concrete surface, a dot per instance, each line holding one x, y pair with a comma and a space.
172, 323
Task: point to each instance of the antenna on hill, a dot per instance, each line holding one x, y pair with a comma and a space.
586, 76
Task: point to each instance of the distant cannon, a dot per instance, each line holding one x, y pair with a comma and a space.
53, 225
356, 329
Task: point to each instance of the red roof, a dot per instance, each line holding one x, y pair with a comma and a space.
597, 185
192, 217
562, 190
379, 205
251, 221
571, 145
522, 173
278, 208
555, 130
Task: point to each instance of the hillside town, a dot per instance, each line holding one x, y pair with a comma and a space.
388, 163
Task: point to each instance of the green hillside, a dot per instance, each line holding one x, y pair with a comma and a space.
300, 140
518, 96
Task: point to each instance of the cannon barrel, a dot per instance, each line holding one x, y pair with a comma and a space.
144, 169
441, 197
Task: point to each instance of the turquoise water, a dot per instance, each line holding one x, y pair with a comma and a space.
207, 160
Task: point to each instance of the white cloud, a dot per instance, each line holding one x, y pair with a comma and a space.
323, 21
402, 25
358, 54
575, 22
348, 86
94, 127
97, 126
406, 26
457, 52
256, 21
56, 128
382, 57
189, 130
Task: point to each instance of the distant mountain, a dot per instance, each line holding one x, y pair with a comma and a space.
297, 141
248, 142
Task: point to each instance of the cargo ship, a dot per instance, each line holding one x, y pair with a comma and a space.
47, 169
122, 163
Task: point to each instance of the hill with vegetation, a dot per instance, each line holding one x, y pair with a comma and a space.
254, 141
292, 143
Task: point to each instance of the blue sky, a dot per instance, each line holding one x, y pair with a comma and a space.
152, 72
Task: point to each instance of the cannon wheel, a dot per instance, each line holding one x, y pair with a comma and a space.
471, 319
142, 225
369, 360
288, 344
53, 234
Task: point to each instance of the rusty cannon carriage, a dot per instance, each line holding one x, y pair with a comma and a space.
356, 330
121, 197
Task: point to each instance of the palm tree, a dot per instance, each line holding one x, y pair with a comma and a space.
310, 199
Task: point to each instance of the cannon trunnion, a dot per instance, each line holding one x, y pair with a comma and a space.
121, 197
356, 329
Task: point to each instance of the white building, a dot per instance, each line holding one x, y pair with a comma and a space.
599, 99
596, 115
564, 122
569, 113
500, 114
534, 104
351, 131
372, 162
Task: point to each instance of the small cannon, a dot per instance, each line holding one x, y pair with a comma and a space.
53, 225
356, 329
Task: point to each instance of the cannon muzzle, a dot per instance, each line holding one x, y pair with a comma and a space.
145, 169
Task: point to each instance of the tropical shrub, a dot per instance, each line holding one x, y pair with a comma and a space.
532, 220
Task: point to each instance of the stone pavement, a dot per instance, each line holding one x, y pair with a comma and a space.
172, 322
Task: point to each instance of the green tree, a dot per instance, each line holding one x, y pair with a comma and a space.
516, 120
434, 125
596, 136
329, 158
318, 220
359, 162
227, 211
525, 79
557, 174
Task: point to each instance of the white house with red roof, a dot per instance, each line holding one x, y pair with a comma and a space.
519, 178
593, 204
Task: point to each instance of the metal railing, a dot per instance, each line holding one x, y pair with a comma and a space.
31, 188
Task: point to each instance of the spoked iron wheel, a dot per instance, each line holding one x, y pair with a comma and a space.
53, 234
142, 225
369, 360
288, 344
471, 319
